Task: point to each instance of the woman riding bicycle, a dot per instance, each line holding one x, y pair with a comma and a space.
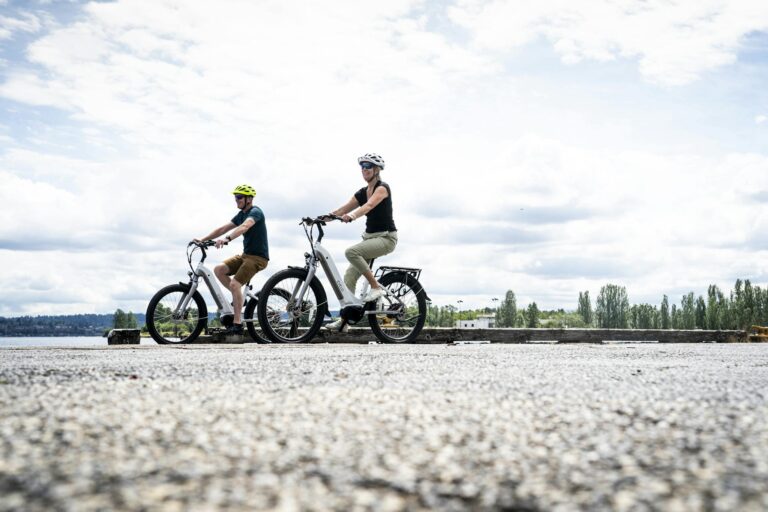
380, 236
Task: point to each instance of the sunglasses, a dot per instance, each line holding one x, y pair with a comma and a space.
367, 165
238, 197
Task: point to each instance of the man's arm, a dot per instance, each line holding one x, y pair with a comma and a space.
242, 228
217, 232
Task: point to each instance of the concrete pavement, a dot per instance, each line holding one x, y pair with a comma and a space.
377, 427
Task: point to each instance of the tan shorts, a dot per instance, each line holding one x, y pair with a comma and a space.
245, 266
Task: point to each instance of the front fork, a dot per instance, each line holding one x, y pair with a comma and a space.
184, 304
301, 288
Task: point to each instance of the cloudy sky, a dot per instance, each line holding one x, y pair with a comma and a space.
546, 147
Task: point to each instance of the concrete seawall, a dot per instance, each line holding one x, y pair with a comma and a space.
447, 335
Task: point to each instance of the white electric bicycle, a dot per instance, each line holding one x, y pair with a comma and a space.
293, 302
178, 314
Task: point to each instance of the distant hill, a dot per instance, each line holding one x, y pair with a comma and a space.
60, 325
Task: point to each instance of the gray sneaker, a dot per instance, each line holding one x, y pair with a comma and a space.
374, 294
336, 326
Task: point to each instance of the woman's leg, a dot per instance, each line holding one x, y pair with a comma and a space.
360, 254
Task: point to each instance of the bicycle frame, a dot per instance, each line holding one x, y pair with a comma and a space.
321, 255
222, 304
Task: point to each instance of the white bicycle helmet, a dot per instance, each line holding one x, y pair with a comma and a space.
372, 158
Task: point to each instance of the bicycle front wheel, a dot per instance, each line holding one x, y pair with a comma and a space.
403, 309
283, 316
169, 322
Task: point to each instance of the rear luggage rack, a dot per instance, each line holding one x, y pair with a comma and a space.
413, 272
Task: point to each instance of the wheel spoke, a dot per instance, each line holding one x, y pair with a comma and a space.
167, 323
288, 317
406, 311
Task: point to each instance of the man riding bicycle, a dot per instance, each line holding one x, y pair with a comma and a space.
380, 236
250, 223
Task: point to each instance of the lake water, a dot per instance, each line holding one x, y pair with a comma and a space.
60, 341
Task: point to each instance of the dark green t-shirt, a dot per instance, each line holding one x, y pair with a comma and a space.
255, 239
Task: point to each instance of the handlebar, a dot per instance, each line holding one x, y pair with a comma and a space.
199, 245
319, 221
202, 245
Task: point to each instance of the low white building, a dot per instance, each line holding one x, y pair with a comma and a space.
481, 322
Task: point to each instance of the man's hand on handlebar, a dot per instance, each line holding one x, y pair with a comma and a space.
221, 242
202, 243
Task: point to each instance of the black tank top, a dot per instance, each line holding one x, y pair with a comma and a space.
380, 218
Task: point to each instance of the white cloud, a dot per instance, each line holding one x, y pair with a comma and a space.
674, 42
25, 22
760, 119
169, 104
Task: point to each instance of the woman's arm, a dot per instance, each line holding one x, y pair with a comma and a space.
346, 208
378, 196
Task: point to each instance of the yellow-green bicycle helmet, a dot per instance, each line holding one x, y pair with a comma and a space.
245, 190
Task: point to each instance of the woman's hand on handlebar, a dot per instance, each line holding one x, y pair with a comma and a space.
328, 217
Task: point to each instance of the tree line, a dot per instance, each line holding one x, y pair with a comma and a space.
743, 306
68, 325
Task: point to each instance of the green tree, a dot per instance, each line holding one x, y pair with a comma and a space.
612, 309
584, 308
687, 312
664, 313
701, 313
433, 316
123, 320
714, 302
738, 303
748, 307
759, 316
532, 315
644, 316
450, 312
676, 317
506, 315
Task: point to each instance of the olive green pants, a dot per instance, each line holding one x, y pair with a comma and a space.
374, 245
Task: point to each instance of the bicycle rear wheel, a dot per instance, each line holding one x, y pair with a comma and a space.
281, 317
406, 309
250, 320
167, 323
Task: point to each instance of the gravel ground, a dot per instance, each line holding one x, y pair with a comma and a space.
375, 427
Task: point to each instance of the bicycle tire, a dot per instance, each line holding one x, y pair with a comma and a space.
274, 305
250, 321
163, 327
405, 322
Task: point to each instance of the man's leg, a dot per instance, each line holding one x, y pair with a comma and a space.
237, 300
221, 271
250, 266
